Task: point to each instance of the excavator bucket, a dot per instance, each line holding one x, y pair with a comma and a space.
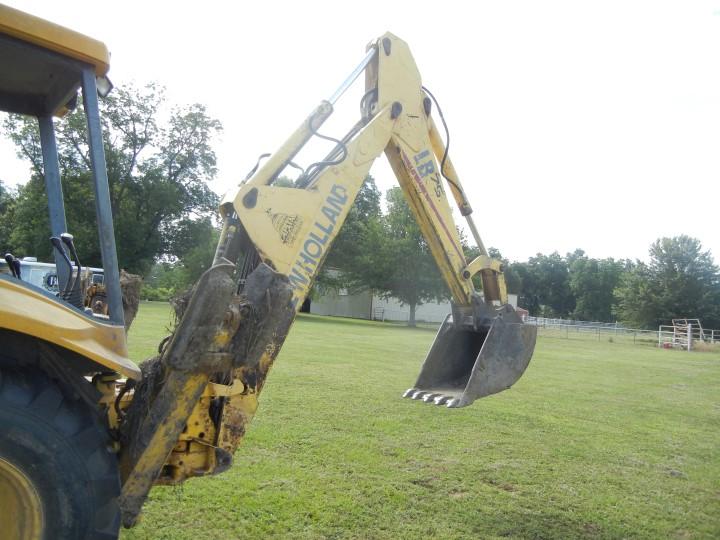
467, 362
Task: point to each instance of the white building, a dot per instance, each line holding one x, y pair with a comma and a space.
367, 305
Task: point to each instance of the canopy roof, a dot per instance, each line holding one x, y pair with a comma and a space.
41, 63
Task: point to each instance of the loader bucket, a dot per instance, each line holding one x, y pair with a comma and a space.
465, 363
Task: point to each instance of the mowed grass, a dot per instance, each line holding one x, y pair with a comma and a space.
597, 440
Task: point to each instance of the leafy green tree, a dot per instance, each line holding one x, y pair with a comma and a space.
347, 249
413, 275
157, 173
194, 243
636, 302
284, 181
392, 257
680, 281
7, 218
528, 293
31, 228
545, 281
593, 282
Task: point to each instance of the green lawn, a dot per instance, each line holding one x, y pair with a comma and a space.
597, 440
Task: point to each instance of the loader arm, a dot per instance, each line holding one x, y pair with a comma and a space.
192, 408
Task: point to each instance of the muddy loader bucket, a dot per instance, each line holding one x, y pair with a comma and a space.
467, 362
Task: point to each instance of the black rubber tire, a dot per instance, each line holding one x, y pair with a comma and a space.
62, 448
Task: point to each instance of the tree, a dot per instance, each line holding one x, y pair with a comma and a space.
31, 228
7, 218
392, 257
593, 282
636, 302
347, 248
680, 281
528, 294
545, 283
194, 243
157, 174
412, 274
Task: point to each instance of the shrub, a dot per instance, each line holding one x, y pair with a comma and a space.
157, 294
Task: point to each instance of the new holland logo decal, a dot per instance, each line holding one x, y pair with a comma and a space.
287, 225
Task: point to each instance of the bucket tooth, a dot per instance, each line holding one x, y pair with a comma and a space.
409, 392
469, 360
454, 403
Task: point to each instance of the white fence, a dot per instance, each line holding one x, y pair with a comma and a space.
547, 321
613, 332
684, 337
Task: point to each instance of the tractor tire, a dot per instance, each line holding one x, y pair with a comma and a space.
59, 478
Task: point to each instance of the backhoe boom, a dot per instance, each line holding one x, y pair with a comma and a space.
272, 246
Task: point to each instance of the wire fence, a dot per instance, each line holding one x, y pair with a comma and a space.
610, 332
547, 321
600, 334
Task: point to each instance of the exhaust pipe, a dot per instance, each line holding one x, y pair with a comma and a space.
475, 354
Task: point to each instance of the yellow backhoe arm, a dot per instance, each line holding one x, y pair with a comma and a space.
397, 120
192, 408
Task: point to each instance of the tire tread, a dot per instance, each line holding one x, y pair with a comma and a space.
71, 418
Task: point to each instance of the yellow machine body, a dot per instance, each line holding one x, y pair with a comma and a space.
59, 366
34, 313
42, 64
56, 38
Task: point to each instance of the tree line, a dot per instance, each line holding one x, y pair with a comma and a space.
680, 280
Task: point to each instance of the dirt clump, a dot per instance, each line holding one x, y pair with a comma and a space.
130, 286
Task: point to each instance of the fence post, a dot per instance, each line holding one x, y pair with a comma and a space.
689, 337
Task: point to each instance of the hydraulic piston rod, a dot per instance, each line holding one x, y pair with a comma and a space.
353, 76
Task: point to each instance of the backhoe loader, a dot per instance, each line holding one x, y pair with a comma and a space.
85, 432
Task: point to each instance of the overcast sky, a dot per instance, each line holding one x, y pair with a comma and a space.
574, 124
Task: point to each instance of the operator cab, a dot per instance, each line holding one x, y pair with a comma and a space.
43, 66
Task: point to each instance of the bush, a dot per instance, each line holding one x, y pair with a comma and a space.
156, 294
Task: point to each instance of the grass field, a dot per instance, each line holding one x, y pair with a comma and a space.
597, 440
